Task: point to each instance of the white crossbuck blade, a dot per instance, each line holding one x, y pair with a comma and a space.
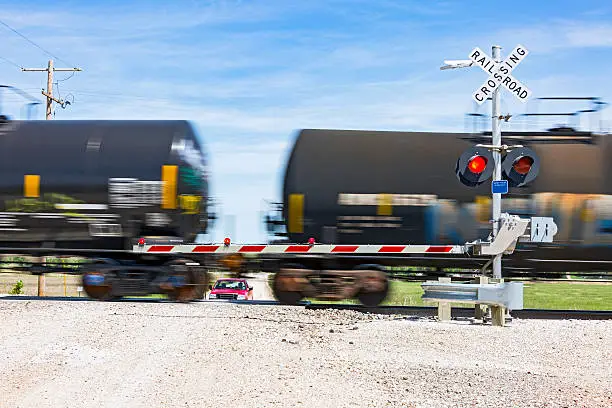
500, 74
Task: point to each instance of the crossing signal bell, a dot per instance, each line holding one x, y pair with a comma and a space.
475, 166
520, 167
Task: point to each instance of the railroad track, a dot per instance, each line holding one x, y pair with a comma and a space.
427, 311
469, 312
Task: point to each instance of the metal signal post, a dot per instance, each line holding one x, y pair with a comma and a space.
496, 141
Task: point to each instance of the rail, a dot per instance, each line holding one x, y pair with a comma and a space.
464, 312
412, 311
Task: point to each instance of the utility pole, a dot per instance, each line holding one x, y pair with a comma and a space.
49, 94
50, 99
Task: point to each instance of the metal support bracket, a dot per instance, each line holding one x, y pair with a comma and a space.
511, 229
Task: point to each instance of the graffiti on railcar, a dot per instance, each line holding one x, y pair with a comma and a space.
581, 218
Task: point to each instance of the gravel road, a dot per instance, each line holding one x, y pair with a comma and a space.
145, 354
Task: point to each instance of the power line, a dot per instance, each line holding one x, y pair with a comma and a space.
24, 95
20, 92
144, 98
9, 61
65, 79
33, 43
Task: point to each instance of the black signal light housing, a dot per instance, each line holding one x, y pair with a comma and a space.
520, 166
475, 166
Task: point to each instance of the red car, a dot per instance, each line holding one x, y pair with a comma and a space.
232, 289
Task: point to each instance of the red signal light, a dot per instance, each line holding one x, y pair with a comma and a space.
226, 241
474, 166
311, 241
523, 165
477, 164
141, 241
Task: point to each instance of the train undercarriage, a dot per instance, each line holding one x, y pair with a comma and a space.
320, 271
293, 282
179, 279
112, 275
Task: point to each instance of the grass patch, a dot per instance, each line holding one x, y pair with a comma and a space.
151, 296
568, 296
554, 295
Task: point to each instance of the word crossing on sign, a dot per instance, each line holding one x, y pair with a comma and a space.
500, 74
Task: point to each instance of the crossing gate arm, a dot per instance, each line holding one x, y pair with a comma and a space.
511, 229
303, 249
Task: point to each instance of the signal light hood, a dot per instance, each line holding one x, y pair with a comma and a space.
520, 166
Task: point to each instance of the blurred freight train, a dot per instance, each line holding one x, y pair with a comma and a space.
100, 184
85, 188
379, 187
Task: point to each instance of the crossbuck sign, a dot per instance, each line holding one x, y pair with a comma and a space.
500, 74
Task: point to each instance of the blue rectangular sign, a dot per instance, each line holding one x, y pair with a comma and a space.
499, 187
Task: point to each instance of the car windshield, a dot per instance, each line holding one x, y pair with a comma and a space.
228, 284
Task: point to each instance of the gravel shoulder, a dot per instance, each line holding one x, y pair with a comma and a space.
145, 354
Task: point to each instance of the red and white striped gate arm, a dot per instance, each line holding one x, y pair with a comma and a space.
300, 249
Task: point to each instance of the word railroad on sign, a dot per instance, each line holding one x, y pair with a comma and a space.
500, 74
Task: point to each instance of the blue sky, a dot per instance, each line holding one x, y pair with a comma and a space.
249, 74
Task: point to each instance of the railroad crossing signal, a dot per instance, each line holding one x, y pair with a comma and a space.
514, 169
520, 166
500, 74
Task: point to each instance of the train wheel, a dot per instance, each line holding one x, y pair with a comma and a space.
187, 290
286, 287
288, 298
375, 288
95, 288
371, 299
97, 284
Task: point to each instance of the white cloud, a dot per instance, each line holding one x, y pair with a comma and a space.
126, 20
558, 35
590, 36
